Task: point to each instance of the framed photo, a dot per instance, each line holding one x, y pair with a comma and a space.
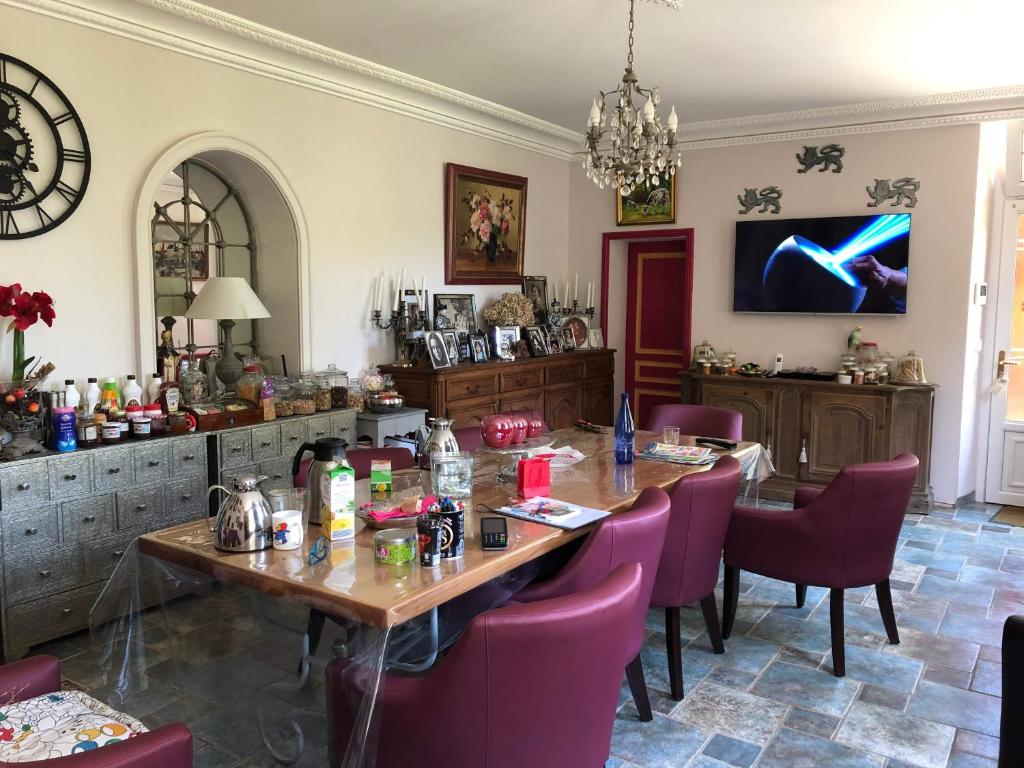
169, 254
554, 342
437, 350
455, 312
596, 338
647, 204
451, 345
578, 325
485, 226
536, 290
503, 341
412, 303
478, 348
568, 339
537, 338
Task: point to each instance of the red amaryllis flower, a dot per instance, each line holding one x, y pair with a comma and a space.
8, 293
25, 313
45, 306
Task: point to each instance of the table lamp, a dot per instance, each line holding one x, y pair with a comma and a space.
227, 299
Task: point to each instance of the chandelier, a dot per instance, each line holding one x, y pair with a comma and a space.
636, 148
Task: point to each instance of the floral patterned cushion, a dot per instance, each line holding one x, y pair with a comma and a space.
60, 724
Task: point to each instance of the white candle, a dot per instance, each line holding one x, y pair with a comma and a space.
565, 303
376, 292
576, 288
398, 290
423, 294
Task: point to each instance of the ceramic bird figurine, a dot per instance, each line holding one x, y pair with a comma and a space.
853, 340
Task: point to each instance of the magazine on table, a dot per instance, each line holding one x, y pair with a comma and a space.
560, 514
678, 454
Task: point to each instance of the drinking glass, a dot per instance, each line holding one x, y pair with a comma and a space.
452, 474
670, 435
282, 499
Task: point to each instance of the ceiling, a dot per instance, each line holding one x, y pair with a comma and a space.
713, 59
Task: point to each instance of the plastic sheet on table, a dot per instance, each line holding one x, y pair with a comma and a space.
236, 665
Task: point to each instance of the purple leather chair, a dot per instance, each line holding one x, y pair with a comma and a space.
702, 505
525, 685
469, 437
167, 747
360, 459
843, 536
697, 420
636, 536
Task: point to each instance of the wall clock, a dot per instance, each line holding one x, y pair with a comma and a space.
44, 153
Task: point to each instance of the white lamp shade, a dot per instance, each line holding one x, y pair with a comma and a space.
227, 298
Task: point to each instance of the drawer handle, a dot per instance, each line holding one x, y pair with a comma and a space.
31, 531
320, 433
140, 507
44, 574
266, 444
189, 457
237, 449
114, 471
186, 496
154, 463
24, 486
472, 389
521, 380
293, 438
66, 611
278, 476
89, 519
117, 554
71, 477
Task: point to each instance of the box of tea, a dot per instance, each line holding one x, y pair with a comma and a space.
380, 476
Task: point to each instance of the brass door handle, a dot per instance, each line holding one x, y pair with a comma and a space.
1001, 364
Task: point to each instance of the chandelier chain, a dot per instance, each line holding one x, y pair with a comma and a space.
629, 57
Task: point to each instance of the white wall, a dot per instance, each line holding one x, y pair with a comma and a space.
942, 239
370, 183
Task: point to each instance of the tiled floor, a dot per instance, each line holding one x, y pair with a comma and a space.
770, 701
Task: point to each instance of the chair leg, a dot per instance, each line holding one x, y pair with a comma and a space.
638, 687
835, 609
731, 599
674, 648
710, 609
801, 595
885, 608
314, 630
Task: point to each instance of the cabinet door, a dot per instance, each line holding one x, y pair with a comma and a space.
562, 406
843, 429
599, 403
532, 400
756, 403
469, 414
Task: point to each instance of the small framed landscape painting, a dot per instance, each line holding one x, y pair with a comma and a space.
485, 226
648, 203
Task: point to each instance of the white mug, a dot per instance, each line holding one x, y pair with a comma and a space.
288, 532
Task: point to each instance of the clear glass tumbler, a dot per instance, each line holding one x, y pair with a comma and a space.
670, 435
452, 474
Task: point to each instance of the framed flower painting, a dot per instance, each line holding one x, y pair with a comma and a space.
485, 226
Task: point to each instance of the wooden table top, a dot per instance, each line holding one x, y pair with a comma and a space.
351, 583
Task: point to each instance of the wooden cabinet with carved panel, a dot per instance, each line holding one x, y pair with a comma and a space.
836, 424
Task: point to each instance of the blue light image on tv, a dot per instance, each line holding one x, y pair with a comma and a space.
835, 265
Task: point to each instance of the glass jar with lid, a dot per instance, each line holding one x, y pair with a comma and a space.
337, 380
867, 355
883, 373
304, 396
323, 393
356, 398
729, 362
909, 370
372, 380
192, 383
847, 362
251, 383
701, 352
283, 397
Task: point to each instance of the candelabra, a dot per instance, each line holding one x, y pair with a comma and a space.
407, 328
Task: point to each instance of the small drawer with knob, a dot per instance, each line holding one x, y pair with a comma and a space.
525, 378
266, 442
35, 529
42, 573
343, 425
477, 386
113, 468
560, 374
236, 449
185, 499
278, 473
140, 507
152, 461
101, 556
188, 457
52, 617
319, 426
70, 476
293, 434
85, 519
24, 485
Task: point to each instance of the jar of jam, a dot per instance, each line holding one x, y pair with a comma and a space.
142, 427
110, 432
88, 430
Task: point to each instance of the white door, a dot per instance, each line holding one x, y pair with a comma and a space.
1004, 483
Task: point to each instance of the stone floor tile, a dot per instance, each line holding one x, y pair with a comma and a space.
810, 636
732, 751
814, 723
967, 760
928, 546
989, 577
957, 707
897, 735
696, 666
931, 626
988, 678
937, 649
877, 668
909, 572
741, 652
1005, 604
742, 715
732, 677
976, 744
991, 653
942, 573
803, 658
932, 559
1012, 564
795, 749
661, 743
883, 697
974, 628
807, 688
969, 611
925, 606
958, 678
209, 756
969, 594
898, 585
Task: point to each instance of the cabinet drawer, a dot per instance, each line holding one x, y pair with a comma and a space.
266, 442
480, 386
42, 573
236, 449
188, 457
152, 461
27, 531
185, 499
140, 507
319, 426
102, 555
293, 434
343, 425
601, 366
24, 486
88, 518
470, 414
278, 473
525, 379
70, 476
47, 619
559, 374
113, 468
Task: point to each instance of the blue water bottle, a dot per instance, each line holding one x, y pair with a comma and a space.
625, 433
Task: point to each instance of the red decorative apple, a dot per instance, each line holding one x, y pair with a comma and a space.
534, 426
519, 429
496, 430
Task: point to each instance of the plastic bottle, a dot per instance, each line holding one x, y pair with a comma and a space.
153, 391
64, 437
625, 433
92, 395
132, 392
72, 397
110, 398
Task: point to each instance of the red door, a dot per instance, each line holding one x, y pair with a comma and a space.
657, 323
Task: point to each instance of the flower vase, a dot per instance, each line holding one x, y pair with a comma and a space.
491, 246
20, 363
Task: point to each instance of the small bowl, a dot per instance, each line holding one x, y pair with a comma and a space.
385, 402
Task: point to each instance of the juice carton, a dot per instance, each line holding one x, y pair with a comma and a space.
338, 502
380, 476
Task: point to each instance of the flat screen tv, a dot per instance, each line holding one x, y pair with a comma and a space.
835, 265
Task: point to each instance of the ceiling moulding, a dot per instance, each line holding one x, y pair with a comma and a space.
196, 30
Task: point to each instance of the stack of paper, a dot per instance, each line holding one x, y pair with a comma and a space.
678, 454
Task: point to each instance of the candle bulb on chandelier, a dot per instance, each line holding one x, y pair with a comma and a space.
673, 120
649, 111
576, 288
595, 114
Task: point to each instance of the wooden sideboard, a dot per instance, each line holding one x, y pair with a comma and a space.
564, 387
836, 424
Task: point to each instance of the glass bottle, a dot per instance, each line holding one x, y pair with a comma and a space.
625, 433
193, 384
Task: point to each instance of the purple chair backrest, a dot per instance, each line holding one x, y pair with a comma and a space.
702, 505
858, 517
697, 420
